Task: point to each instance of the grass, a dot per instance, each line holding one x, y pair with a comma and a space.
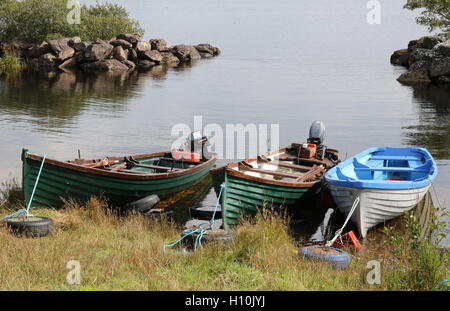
125, 253
10, 65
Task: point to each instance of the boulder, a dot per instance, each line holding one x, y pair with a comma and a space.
73, 41
152, 55
61, 48
120, 42
181, 51
98, 50
440, 67
206, 48
421, 64
20, 44
399, 57
120, 54
411, 45
169, 58
46, 61
159, 45
443, 80
443, 48
80, 46
131, 38
132, 55
427, 42
131, 66
105, 65
142, 47
194, 54
36, 50
145, 64
70, 63
415, 77
420, 54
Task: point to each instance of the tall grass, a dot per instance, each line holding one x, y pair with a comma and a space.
126, 253
10, 65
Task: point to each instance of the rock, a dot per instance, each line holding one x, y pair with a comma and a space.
194, 54
119, 53
61, 48
70, 63
414, 77
81, 46
47, 60
98, 50
142, 47
73, 41
411, 45
131, 38
443, 80
443, 48
39, 49
105, 65
145, 64
120, 42
152, 55
427, 42
420, 54
131, 66
169, 58
181, 51
421, 64
440, 67
399, 57
208, 49
132, 55
159, 45
20, 44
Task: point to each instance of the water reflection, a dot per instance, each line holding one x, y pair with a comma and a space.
433, 128
53, 101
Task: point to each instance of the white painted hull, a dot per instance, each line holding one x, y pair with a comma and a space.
376, 205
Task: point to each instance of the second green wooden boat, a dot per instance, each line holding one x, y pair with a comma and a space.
280, 179
120, 180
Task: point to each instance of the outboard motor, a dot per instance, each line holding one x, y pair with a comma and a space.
317, 134
197, 143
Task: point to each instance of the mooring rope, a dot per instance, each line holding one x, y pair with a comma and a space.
199, 230
339, 232
27, 211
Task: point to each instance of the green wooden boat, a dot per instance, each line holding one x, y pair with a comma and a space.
120, 180
279, 179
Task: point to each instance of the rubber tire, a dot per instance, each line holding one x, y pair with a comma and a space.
31, 227
217, 236
169, 215
197, 213
341, 260
145, 204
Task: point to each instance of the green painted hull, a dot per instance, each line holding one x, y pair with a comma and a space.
58, 182
243, 197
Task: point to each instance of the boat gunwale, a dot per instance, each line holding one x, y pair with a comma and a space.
123, 175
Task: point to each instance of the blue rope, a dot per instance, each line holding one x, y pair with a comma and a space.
27, 211
199, 230
443, 282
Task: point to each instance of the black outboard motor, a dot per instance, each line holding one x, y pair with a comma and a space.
196, 142
317, 134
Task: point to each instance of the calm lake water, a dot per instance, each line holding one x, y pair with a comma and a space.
289, 63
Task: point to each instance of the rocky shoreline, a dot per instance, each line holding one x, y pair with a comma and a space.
125, 52
427, 59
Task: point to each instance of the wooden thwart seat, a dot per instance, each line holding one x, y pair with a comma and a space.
247, 167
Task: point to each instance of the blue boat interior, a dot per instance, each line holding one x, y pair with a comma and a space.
388, 164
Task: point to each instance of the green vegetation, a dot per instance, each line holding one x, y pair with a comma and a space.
435, 13
47, 19
10, 65
126, 253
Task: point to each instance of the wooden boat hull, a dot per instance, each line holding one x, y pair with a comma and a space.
67, 180
376, 205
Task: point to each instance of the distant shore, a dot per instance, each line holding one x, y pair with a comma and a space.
427, 60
